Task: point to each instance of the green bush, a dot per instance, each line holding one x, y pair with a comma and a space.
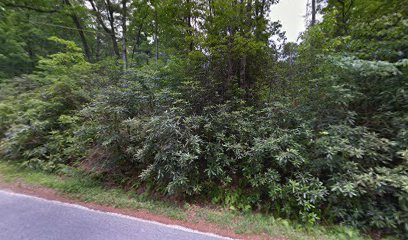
40, 121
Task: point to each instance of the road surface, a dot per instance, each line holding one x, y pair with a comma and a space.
25, 217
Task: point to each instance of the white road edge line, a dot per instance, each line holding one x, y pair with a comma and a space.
115, 214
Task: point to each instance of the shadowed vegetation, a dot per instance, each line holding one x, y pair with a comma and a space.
206, 101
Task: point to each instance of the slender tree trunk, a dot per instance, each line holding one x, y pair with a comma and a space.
189, 26
78, 25
29, 47
136, 44
346, 14
156, 26
244, 81
111, 31
115, 44
313, 13
112, 25
242, 74
124, 49
87, 50
230, 69
230, 73
98, 46
137, 40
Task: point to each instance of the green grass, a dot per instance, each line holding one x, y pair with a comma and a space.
84, 188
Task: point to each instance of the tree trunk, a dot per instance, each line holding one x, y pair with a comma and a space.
98, 46
111, 31
313, 13
242, 73
137, 40
156, 33
124, 49
189, 26
78, 25
112, 25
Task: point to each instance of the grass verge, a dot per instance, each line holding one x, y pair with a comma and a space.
83, 188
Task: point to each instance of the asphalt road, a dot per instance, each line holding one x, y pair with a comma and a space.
25, 217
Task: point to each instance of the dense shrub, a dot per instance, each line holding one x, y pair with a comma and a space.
39, 118
266, 158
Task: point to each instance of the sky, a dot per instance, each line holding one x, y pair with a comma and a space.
291, 13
